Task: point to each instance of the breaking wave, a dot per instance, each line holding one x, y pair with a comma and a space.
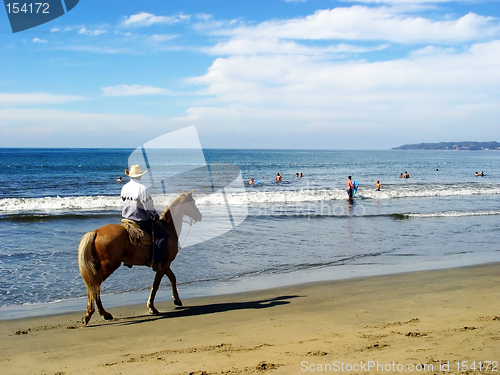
252, 196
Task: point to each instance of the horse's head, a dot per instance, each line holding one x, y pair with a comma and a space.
190, 208
183, 205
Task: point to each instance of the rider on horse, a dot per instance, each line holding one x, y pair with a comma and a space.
138, 206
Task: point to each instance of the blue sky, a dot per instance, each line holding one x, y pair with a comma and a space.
254, 74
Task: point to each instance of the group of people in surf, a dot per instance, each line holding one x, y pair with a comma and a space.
479, 174
278, 178
405, 175
351, 187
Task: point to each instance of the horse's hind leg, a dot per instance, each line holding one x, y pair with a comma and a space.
100, 309
90, 307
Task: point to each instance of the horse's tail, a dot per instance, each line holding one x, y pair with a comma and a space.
87, 263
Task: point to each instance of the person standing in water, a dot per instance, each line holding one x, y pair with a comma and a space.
349, 188
378, 185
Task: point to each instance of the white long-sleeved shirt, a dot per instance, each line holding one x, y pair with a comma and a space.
137, 204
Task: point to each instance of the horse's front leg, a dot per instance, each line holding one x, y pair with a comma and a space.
173, 281
154, 289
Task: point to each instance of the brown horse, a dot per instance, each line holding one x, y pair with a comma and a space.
102, 251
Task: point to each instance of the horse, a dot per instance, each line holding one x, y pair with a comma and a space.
103, 250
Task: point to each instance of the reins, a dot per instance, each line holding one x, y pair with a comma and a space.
185, 238
191, 222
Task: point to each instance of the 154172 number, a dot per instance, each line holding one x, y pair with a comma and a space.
27, 7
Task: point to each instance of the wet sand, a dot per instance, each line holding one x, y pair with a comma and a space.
414, 321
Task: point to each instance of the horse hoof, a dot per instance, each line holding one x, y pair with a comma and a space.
177, 302
153, 311
107, 316
85, 319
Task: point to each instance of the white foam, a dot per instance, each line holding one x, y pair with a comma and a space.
84, 203
455, 214
417, 191
49, 204
392, 192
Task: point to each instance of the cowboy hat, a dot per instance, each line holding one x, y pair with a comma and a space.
135, 171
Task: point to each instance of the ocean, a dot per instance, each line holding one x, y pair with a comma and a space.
299, 230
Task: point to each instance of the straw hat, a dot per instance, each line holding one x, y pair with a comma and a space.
135, 171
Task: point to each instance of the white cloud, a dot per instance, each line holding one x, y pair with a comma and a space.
98, 49
203, 16
132, 90
54, 30
148, 19
301, 78
367, 24
433, 91
243, 46
404, 2
308, 81
162, 37
37, 40
127, 34
36, 98
85, 31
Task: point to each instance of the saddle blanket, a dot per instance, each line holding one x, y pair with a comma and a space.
136, 235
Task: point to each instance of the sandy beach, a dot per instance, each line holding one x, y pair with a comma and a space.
415, 322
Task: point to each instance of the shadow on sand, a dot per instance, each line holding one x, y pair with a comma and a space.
186, 311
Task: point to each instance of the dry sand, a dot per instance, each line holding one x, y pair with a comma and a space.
413, 319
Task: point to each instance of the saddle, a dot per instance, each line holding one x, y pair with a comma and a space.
136, 235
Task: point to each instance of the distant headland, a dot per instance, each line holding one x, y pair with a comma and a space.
452, 146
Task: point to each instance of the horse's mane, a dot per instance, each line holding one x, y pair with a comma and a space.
167, 214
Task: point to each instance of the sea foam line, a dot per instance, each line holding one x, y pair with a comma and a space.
89, 203
452, 214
